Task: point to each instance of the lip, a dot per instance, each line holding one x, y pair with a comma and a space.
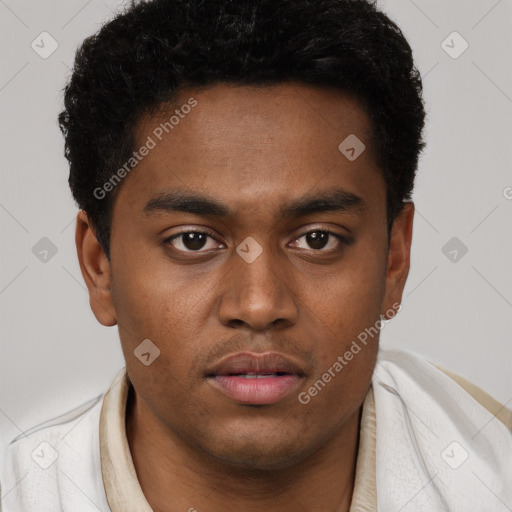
270, 377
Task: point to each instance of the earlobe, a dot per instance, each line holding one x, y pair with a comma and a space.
399, 256
95, 270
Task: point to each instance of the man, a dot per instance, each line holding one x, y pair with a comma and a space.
244, 172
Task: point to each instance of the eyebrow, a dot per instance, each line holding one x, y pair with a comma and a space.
332, 200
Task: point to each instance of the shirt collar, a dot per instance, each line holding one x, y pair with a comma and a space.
122, 487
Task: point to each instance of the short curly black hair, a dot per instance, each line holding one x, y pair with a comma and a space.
154, 49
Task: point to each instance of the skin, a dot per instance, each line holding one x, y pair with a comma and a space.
252, 149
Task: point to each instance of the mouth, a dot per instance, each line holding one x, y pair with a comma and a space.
259, 379
256, 375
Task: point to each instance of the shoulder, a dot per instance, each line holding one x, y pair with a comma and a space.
498, 410
432, 425
412, 370
52, 466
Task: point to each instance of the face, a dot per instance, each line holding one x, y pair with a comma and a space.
283, 249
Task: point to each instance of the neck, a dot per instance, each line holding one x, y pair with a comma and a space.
175, 476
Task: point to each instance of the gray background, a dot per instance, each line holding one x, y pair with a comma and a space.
54, 354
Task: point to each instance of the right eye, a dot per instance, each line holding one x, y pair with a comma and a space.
190, 241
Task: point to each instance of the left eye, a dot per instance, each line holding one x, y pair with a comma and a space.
320, 240
191, 241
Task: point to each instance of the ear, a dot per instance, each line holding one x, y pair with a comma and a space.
95, 271
399, 256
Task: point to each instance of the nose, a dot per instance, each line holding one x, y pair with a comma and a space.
258, 295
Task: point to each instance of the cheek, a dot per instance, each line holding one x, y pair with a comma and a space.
347, 350
154, 300
351, 299
165, 307
150, 308
349, 306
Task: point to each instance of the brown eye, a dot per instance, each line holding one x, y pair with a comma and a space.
317, 239
320, 240
192, 241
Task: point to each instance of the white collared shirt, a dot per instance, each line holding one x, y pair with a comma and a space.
81, 461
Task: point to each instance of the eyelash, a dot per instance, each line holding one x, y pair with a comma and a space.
341, 239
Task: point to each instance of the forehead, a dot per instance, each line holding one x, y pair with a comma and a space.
250, 145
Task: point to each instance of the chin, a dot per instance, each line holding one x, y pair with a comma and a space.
259, 453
